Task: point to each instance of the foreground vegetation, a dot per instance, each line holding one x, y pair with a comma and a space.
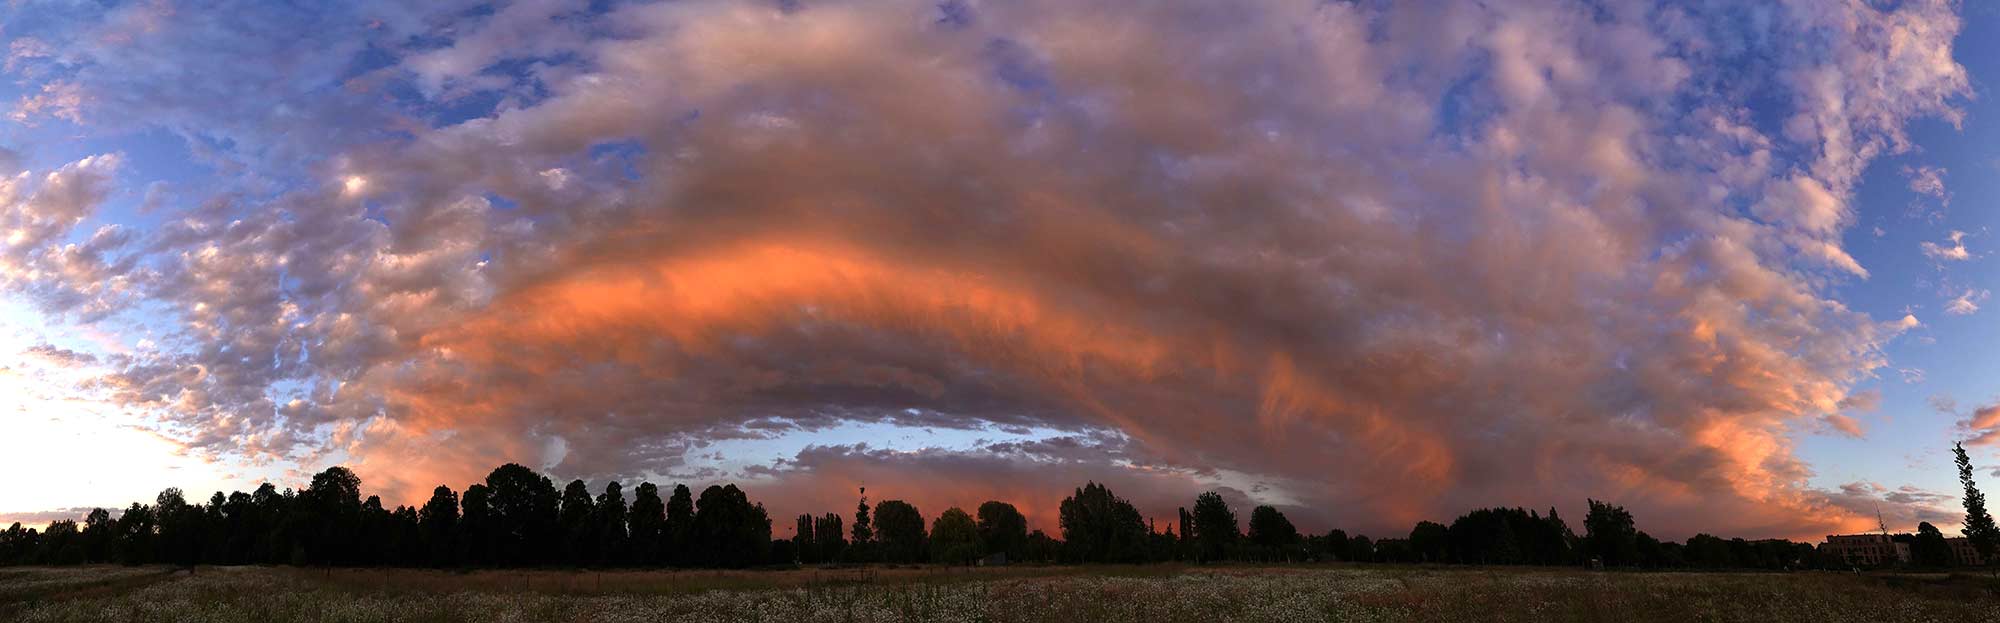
1155, 593
518, 518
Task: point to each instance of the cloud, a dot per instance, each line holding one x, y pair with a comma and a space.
1943, 403
1966, 304
1390, 260
1804, 202
1845, 425
1866, 400
518, 30
40, 520
60, 100
1899, 509
1856, 402
1983, 425
39, 255
61, 357
1927, 180
1954, 253
1907, 322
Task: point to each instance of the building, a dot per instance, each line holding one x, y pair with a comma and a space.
1865, 550
1962, 552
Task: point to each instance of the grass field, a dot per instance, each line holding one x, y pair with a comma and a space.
1151, 594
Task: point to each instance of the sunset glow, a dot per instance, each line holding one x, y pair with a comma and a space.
1371, 263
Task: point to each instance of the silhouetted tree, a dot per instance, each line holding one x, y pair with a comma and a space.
804, 541
1675, 555
268, 511
525, 508
1271, 532
1929, 548
227, 540
1646, 551
180, 529
1707, 551
1360, 549
1185, 550
954, 538
374, 534
1336, 544
899, 532
439, 521
1099, 526
783, 552
1493, 536
137, 528
409, 540
99, 535
14, 545
729, 531
1430, 542
61, 544
612, 540
647, 522
1214, 527
1002, 529
1609, 534
828, 536
328, 515
476, 529
1563, 542
678, 531
517, 517
1978, 527
1394, 551
1162, 545
864, 529
579, 529
1043, 548
214, 531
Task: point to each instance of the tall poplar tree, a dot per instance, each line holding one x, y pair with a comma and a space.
1979, 528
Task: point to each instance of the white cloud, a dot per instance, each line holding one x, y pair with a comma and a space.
1967, 303
1927, 180
60, 100
1954, 253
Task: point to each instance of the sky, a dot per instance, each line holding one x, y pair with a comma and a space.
1727, 264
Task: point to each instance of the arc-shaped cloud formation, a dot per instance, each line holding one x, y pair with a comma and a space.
1391, 259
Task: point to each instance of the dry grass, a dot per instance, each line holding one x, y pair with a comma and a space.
21, 584
675, 582
1026, 594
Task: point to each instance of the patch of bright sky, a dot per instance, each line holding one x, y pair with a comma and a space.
1908, 440
733, 456
62, 449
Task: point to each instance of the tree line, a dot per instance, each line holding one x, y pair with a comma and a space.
518, 518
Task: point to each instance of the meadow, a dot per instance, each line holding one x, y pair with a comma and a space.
1160, 593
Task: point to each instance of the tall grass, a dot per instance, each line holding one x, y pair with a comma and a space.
1165, 595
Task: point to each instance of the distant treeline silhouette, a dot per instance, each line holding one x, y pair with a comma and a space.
518, 518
